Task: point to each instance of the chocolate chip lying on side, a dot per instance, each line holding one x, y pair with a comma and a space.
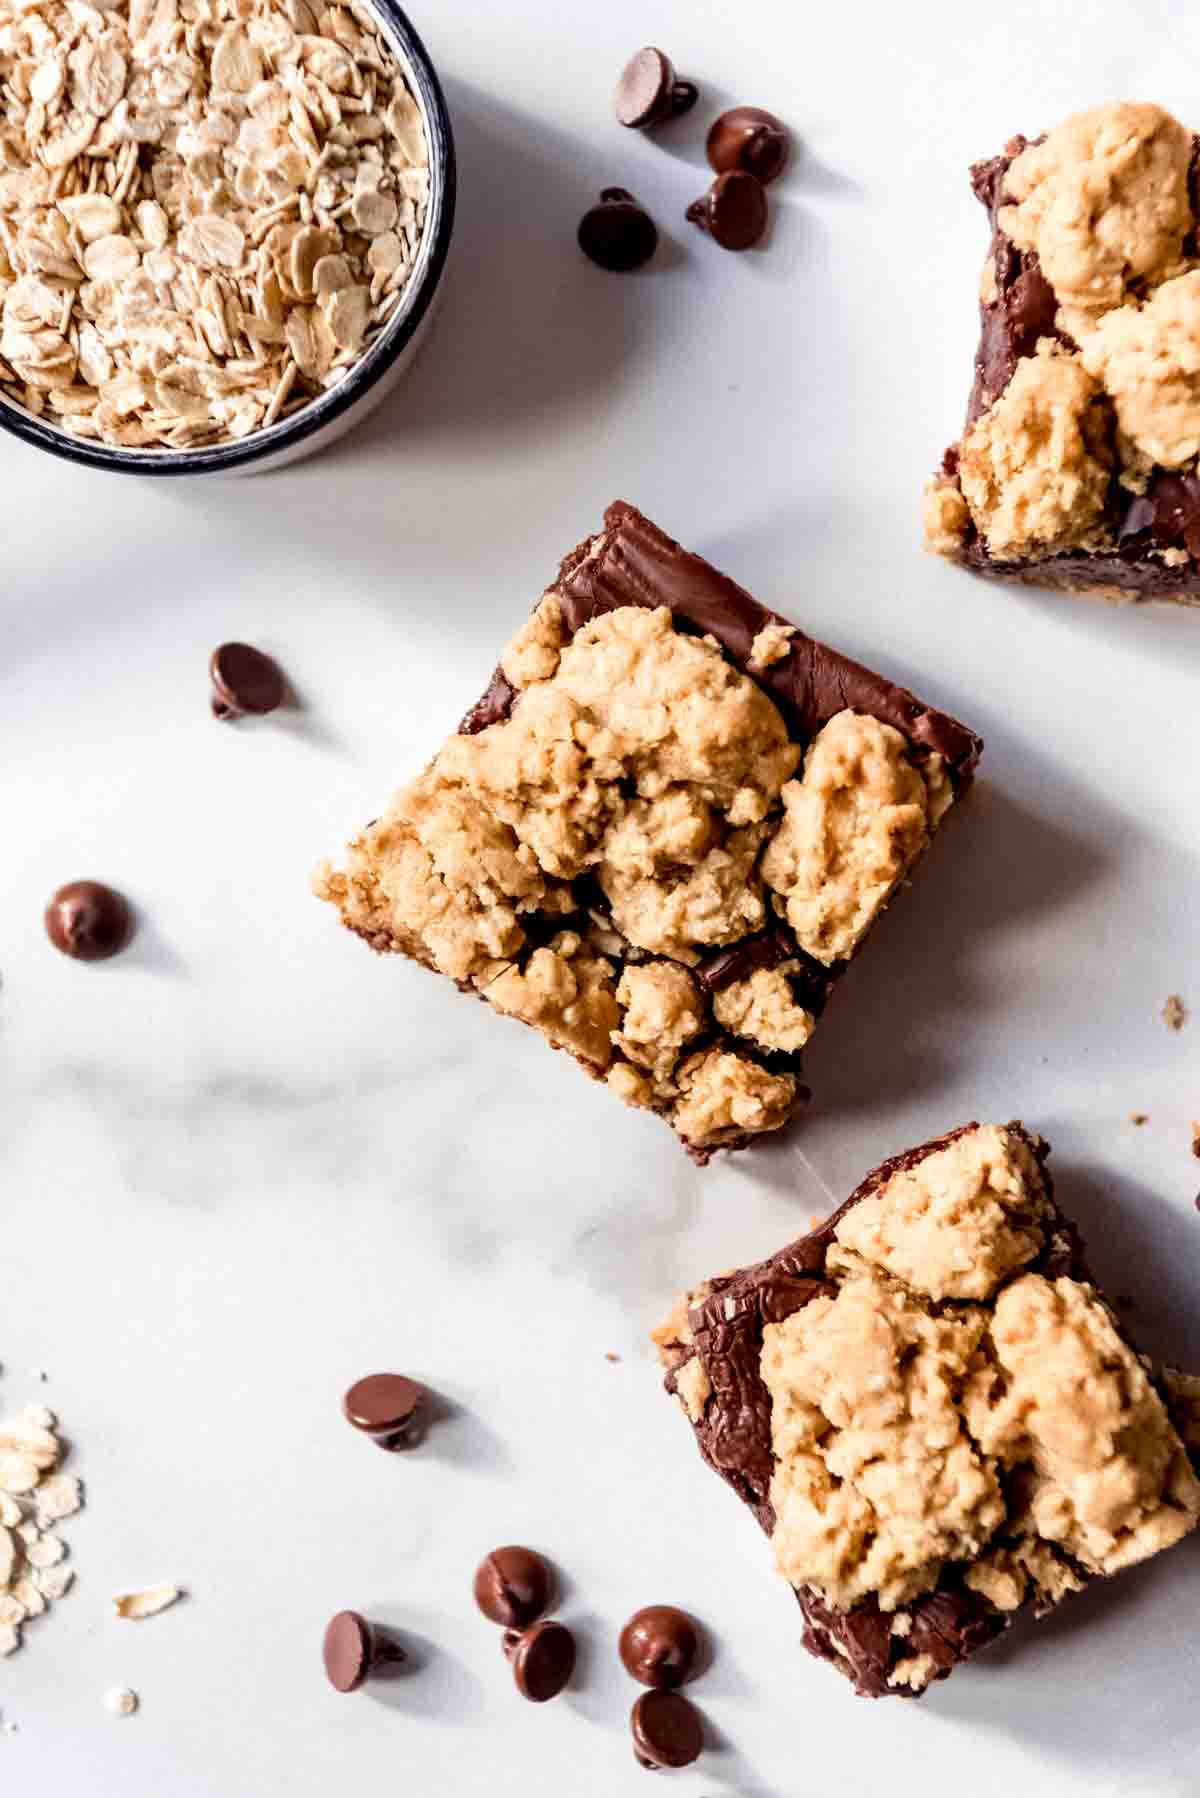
355, 1649
88, 921
667, 1731
660, 1646
750, 139
733, 211
244, 680
542, 1659
650, 92
513, 1586
617, 234
388, 1407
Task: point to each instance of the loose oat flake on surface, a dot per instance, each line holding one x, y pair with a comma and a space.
34, 1494
208, 209
133, 1605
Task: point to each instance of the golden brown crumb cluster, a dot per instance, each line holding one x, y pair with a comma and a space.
640, 760
1011, 1430
1103, 201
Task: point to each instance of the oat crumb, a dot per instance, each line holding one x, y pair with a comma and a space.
121, 1701
1174, 1012
1139, 1118
611, 1357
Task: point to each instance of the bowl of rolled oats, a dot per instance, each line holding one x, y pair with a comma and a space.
222, 224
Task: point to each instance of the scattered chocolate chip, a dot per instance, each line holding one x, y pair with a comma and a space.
617, 234
388, 1407
750, 139
660, 1646
650, 92
542, 1659
354, 1649
244, 680
667, 1731
733, 211
513, 1586
88, 921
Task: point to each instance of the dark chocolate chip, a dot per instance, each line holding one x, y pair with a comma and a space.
513, 1586
354, 1649
660, 1646
88, 921
244, 680
750, 139
650, 92
617, 234
387, 1407
542, 1659
667, 1731
733, 211
1170, 511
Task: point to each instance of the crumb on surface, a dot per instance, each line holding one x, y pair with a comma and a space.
1196, 1138
1139, 1118
611, 1357
1174, 1012
121, 1701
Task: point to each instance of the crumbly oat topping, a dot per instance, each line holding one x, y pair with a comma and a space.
567, 993
34, 1495
1104, 201
694, 1388
853, 826
208, 208
1148, 360
121, 1701
763, 1008
877, 1482
533, 653
1035, 468
723, 1095
945, 517
957, 1224
772, 644
900, 1423
1112, 1482
673, 1336
662, 1009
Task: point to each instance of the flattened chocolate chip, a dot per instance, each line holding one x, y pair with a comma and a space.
244, 680
542, 1659
387, 1407
88, 921
750, 139
650, 92
617, 234
354, 1649
513, 1586
667, 1731
660, 1646
733, 211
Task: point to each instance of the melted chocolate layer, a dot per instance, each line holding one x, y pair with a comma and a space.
633, 563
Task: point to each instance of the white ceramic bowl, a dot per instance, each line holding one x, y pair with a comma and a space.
313, 426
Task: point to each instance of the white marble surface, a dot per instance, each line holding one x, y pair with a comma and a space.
247, 1162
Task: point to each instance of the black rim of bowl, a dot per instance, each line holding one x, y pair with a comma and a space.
392, 341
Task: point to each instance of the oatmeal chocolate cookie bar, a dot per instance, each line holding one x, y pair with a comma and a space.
1078, 465
933, 1413
661, 833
